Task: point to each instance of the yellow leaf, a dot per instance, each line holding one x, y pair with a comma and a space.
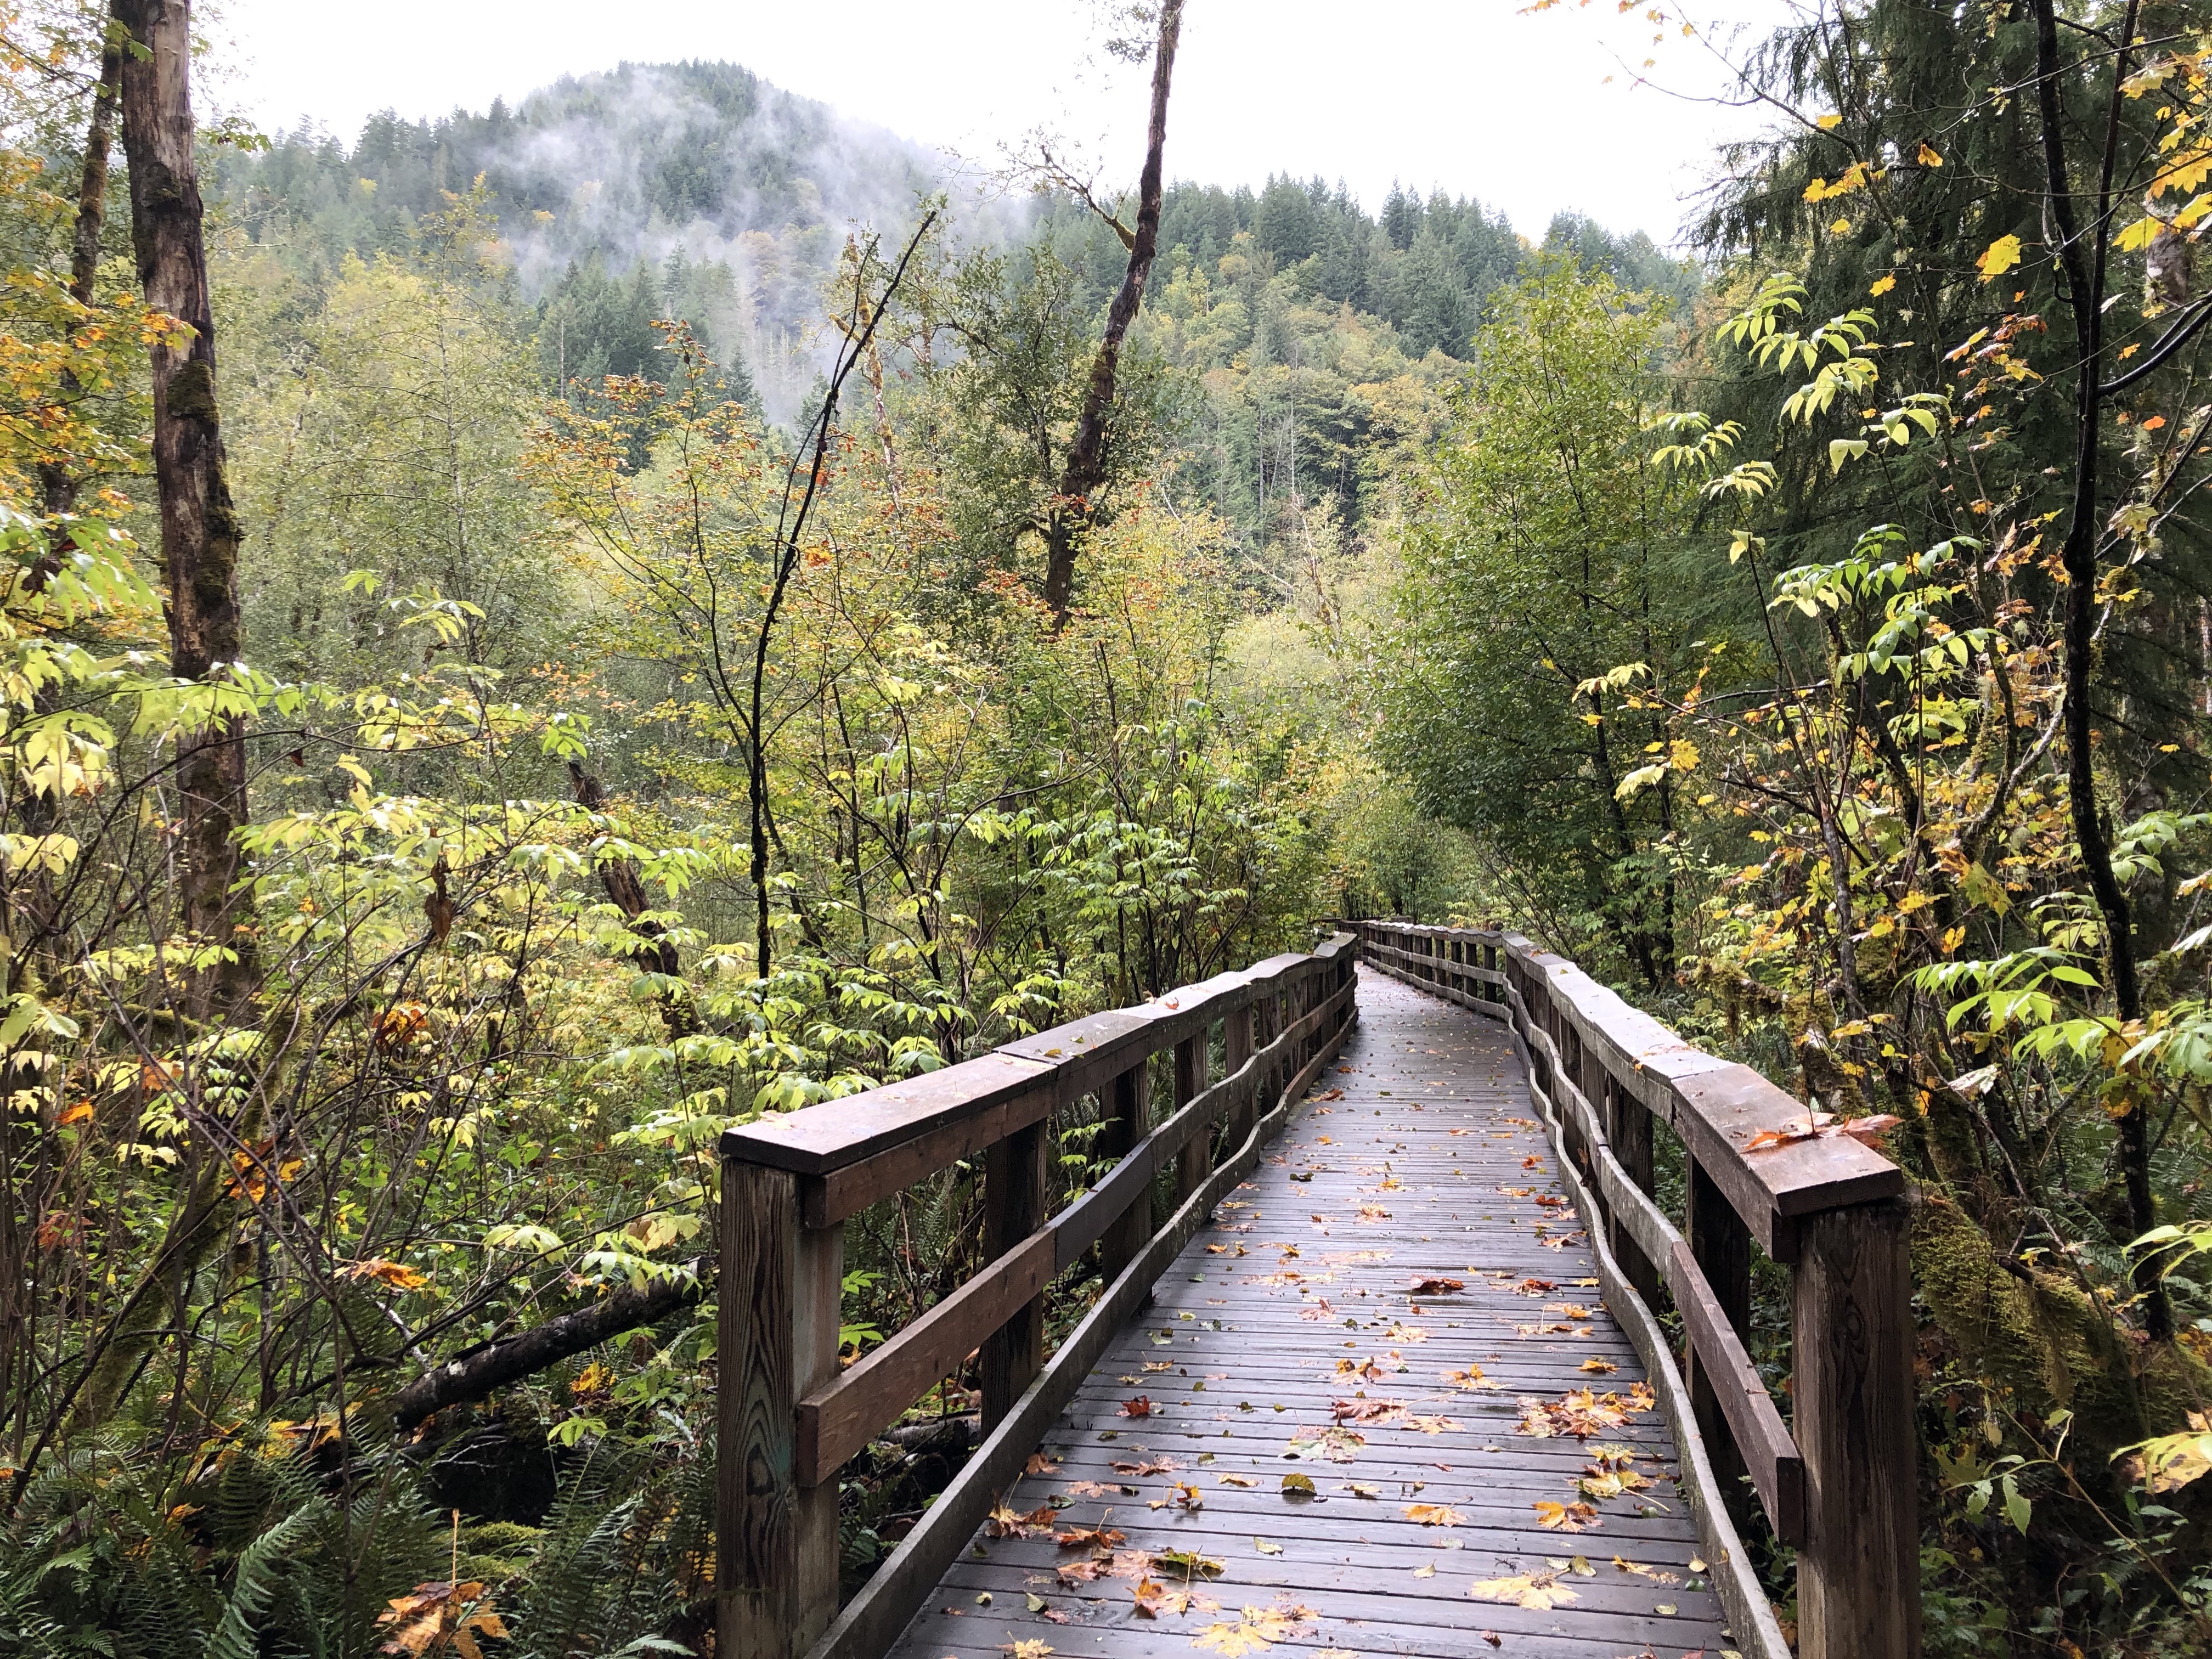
1838, 227
1998, 258
387, 1272
2137, 236
1929, 158
1432, 1514
1830, 122
1882, 285
1538, 1591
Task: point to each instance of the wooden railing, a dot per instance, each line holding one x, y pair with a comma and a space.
1838, 1480
789, 1417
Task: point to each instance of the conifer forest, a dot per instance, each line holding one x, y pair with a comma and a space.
530, 637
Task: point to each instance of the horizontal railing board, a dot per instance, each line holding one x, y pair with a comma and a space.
1771, 1456
816, 1139
827, 1200
839, 1418
1069, 1061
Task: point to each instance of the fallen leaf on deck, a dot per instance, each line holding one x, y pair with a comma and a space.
1600, 1367
1258, 1627
1188, 1565
1041, 1464
1436, 1287
1472, 1377
1266, 1546
1366, 1411
1100, 1537
1139, 1407
1153, 1598
1433, 1514
1429, 1572
1538, 1591
1239, 1480
1297, 1485
1565, 1517
1004, 1522
1150, 1466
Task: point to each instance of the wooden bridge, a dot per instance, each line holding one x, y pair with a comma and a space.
1379, 1365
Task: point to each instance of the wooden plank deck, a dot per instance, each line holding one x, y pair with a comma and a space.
1288, 1339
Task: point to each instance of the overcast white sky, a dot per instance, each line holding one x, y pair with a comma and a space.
1465, 94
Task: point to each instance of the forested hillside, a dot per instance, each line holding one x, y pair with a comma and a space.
535, 637
1310, 337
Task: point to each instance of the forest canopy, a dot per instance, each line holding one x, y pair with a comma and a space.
536, 636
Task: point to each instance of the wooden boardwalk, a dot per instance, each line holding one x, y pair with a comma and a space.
1386, 1310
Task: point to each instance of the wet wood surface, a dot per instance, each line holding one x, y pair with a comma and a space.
1386, 1311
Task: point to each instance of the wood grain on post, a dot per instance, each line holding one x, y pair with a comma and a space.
1265, 1023
1721, 1245
776, 1545
1127, 1104
1013, 1209
1196, 1161
1237, 1048
1628, 1128
1858, 1574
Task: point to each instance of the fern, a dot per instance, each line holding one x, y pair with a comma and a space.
254, 1585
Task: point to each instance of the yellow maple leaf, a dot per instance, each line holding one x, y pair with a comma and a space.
1538, 1591
1882, 285
1830, 122
1998, 258
1929, 158
1433, 1514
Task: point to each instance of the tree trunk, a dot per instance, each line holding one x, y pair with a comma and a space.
199, 526
619, 880
1085, 473
59, 486
2085, 286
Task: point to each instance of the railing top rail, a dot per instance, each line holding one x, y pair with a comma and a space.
1717, 1106
1018, 1082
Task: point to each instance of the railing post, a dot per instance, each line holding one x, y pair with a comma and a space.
1014, 1207
776, 1545
1128, 1105
1237, 1048
1495, 993
1858, 1574
1267, 1011
1196, 1161
1628, 1128
1721, 1245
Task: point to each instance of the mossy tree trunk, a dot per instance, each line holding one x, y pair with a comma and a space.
200, 526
